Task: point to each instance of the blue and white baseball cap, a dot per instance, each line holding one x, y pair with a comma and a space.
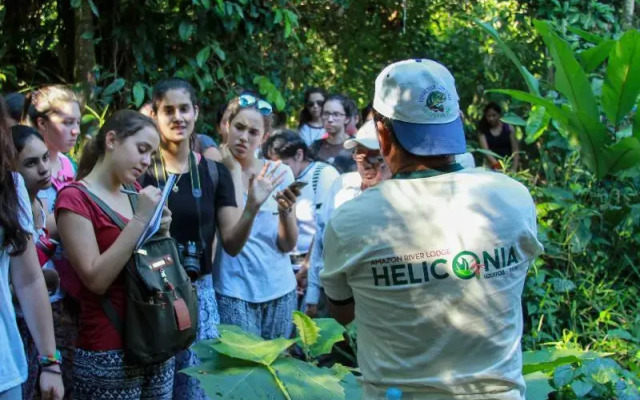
419, 97
366, 136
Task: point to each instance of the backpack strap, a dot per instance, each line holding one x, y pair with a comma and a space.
213, 173
315, 179
107, 305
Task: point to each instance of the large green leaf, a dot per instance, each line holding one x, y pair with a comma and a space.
622, 80
138, 94
305, 381
513, 119
554, 111
538, 387
593, 57
571, 79
588, 36
530, 80
229, 378
548, 359
537, 123
307, 329
114, 87
623, 155
636, 122
239, 344
593, 138
331, 332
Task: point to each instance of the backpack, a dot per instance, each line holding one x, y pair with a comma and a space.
161, 307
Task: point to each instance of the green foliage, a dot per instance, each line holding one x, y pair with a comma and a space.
240, 365
574, 374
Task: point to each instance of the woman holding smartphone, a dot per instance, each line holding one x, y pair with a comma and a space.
256, 289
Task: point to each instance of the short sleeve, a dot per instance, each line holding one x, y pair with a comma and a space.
333, 275
74, 200
25, 215
328, 175
225, 192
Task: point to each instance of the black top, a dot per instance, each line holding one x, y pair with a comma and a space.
500, 144
334, 154
184, 214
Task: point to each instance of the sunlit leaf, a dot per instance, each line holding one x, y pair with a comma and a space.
331, 332
305, 381
592, 58
307, 329
239, 344
549, 359
513, 119
537, 386
622, 81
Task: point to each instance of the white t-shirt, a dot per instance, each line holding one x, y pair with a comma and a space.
406, 251
13, 364
260, 272
348, 186
310, 134
320, 176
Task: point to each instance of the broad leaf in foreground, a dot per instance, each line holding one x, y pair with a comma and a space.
239, 344
622, 81
228, 378
305, 381
307, 330
538, 387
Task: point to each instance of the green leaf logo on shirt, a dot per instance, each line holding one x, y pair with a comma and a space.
462, 264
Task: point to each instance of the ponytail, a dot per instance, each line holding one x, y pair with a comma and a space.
91, 153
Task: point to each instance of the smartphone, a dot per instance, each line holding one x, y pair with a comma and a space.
298, 184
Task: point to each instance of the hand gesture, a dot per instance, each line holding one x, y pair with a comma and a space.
228, 159
51, 385
261, 185
148, 198
165, 221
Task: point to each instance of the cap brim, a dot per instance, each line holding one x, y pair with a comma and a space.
371, 144
431, 139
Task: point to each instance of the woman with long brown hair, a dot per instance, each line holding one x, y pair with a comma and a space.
19, 264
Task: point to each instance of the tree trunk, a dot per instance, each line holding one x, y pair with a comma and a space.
627, 14
85, 54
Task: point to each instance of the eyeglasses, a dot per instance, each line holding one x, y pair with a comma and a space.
318, 103
247, 100
336, 115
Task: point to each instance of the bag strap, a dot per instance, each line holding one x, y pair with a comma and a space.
107, 305
113, 216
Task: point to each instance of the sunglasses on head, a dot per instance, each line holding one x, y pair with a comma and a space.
247, 100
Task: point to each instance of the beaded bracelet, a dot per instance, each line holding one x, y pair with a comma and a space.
50, 359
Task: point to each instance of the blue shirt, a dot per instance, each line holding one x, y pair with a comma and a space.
13, 364
260, 272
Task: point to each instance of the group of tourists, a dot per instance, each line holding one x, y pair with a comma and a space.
266, 222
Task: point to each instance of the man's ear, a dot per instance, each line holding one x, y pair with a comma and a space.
384, 137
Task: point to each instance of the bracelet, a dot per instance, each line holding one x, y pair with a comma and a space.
50, 359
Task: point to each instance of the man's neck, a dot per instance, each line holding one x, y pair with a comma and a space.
413, 163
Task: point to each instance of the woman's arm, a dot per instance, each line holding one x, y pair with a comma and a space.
98, 271
31, 291
515, 149
482, 139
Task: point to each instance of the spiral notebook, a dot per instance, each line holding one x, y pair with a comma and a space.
154, 224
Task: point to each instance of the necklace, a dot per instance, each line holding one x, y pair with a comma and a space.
175, 188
